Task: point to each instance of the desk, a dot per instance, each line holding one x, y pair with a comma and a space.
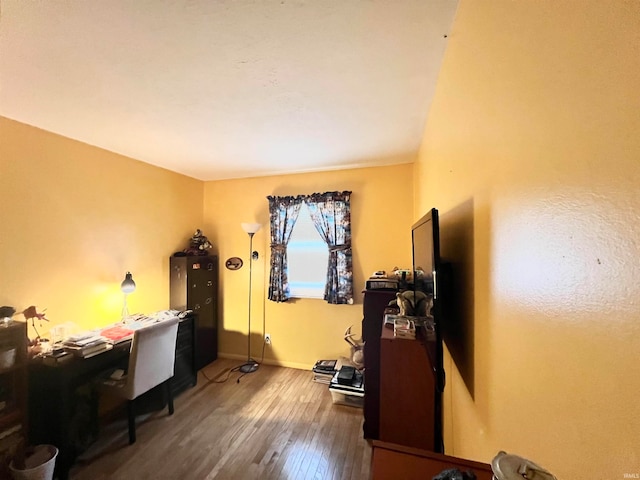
63, 406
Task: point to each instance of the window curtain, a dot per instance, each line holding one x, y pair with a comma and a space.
283, 213
331, 215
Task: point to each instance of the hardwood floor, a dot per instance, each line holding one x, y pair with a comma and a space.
275, 423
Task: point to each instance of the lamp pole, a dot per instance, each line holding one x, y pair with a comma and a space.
251, 365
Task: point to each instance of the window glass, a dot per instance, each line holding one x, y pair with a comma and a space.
307, 256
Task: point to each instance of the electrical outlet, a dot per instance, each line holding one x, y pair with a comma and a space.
267, 338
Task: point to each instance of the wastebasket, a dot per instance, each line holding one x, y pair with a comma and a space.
38, 464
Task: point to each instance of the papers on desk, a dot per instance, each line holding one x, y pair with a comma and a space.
93, 342
87, 346
117, 334
82, 339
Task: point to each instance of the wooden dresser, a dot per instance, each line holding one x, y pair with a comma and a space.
375, 302
390, 462
407, 391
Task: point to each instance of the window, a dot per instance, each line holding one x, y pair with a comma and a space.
307, 257
332, 212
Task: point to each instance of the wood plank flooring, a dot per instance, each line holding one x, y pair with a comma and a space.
275, 423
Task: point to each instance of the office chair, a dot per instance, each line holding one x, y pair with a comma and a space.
151, 362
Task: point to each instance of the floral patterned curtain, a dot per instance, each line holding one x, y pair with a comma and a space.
283, 213
331, 215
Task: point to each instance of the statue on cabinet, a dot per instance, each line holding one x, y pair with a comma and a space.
199, 244
411, 303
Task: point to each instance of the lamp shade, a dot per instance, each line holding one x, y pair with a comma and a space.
251, 227
128, 285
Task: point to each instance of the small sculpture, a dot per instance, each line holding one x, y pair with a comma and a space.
357, 348
412, 303
199, 244
31, 314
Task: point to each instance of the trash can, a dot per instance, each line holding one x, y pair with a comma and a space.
39, 463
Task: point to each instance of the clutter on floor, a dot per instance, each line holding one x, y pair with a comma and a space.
347, 387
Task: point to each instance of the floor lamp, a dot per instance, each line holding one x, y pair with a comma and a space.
251, 229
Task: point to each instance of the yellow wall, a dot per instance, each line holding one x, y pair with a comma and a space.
304, 330
75, 218
532, 155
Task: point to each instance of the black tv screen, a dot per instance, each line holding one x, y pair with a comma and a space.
427, 276
426, 253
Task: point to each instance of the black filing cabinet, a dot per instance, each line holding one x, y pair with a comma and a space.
194, 286
185, 373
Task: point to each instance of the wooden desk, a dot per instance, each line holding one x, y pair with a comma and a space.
390, 462
63, 406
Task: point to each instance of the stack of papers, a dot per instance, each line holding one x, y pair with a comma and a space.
324, 370
86, 345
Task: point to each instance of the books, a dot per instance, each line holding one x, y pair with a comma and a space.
83, 340
356, 385
117, 334
351, 394
325, 365
87, 347
324, 370
346, 375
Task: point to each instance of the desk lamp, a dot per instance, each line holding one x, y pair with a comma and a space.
127, 286
251, 229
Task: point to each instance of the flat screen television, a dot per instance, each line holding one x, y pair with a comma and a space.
425, 240
429, 275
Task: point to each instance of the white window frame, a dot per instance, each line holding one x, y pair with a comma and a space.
306, 250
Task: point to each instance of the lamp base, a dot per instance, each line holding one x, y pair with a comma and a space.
249, 367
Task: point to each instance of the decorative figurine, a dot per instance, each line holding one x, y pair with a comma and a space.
199, 244
357, 348
411, 303
32, 314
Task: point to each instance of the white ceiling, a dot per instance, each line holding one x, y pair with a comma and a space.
218, 89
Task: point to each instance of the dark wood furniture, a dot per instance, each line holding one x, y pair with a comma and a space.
402, 402
193, 286
374, 304
390, 462
13, 393
407, 390
63, 405
63, 400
